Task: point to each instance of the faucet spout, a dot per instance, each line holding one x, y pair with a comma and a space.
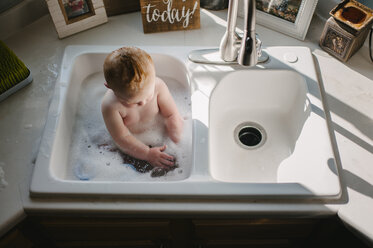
232, 46
233, 49
248, 55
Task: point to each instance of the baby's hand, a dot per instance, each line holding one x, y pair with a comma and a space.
157, 157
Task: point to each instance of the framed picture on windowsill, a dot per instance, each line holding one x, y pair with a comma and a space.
291, 17
72, 16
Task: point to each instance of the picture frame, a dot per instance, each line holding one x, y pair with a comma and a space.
291, 17
73, 16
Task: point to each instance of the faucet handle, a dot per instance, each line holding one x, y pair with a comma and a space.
258, 44
262, 55
229, 45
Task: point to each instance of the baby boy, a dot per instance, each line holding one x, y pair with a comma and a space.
135, 97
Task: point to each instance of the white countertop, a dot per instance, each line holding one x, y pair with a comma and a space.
349, 92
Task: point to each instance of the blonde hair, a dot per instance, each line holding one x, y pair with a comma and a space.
126, 68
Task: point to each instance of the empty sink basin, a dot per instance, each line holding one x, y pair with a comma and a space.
263, 129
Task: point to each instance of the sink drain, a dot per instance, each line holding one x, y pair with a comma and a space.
250, 135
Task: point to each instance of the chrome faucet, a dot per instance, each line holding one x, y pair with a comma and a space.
246, 49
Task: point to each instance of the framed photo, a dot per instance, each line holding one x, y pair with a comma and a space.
291, 17
76, 10
72, 16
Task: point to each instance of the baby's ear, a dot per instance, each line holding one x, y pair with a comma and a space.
107, 86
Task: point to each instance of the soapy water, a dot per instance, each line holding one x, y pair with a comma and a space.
95, 156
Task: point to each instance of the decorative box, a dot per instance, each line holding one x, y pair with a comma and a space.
346, 30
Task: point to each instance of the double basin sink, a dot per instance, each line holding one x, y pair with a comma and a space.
258, 132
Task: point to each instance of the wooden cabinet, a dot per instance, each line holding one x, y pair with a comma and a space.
252, 232
100, 232
15, 239
54, 231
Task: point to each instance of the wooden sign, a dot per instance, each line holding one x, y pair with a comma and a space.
169, 15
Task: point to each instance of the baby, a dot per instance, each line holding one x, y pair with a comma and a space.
135, 97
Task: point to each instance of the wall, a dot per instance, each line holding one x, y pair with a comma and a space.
324, 7
7, 4
21, 15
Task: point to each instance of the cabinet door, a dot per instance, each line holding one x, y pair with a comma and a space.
15, 239
96, 232
260, 243
251, 232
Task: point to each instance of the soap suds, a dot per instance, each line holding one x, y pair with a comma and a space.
3, 183
94, 155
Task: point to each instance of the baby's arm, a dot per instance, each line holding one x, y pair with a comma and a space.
129, 144
174, 121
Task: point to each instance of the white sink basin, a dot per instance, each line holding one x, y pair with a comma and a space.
256, 119
267, 128
283, 99
77, 155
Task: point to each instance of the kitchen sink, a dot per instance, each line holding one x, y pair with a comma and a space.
250, 133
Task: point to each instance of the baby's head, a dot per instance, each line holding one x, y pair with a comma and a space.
129, 72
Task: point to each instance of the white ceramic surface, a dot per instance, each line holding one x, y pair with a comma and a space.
83, 149
79, 85
272, 101
296, 146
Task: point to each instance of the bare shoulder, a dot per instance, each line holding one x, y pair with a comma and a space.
107, 100
110, 103
160, 85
